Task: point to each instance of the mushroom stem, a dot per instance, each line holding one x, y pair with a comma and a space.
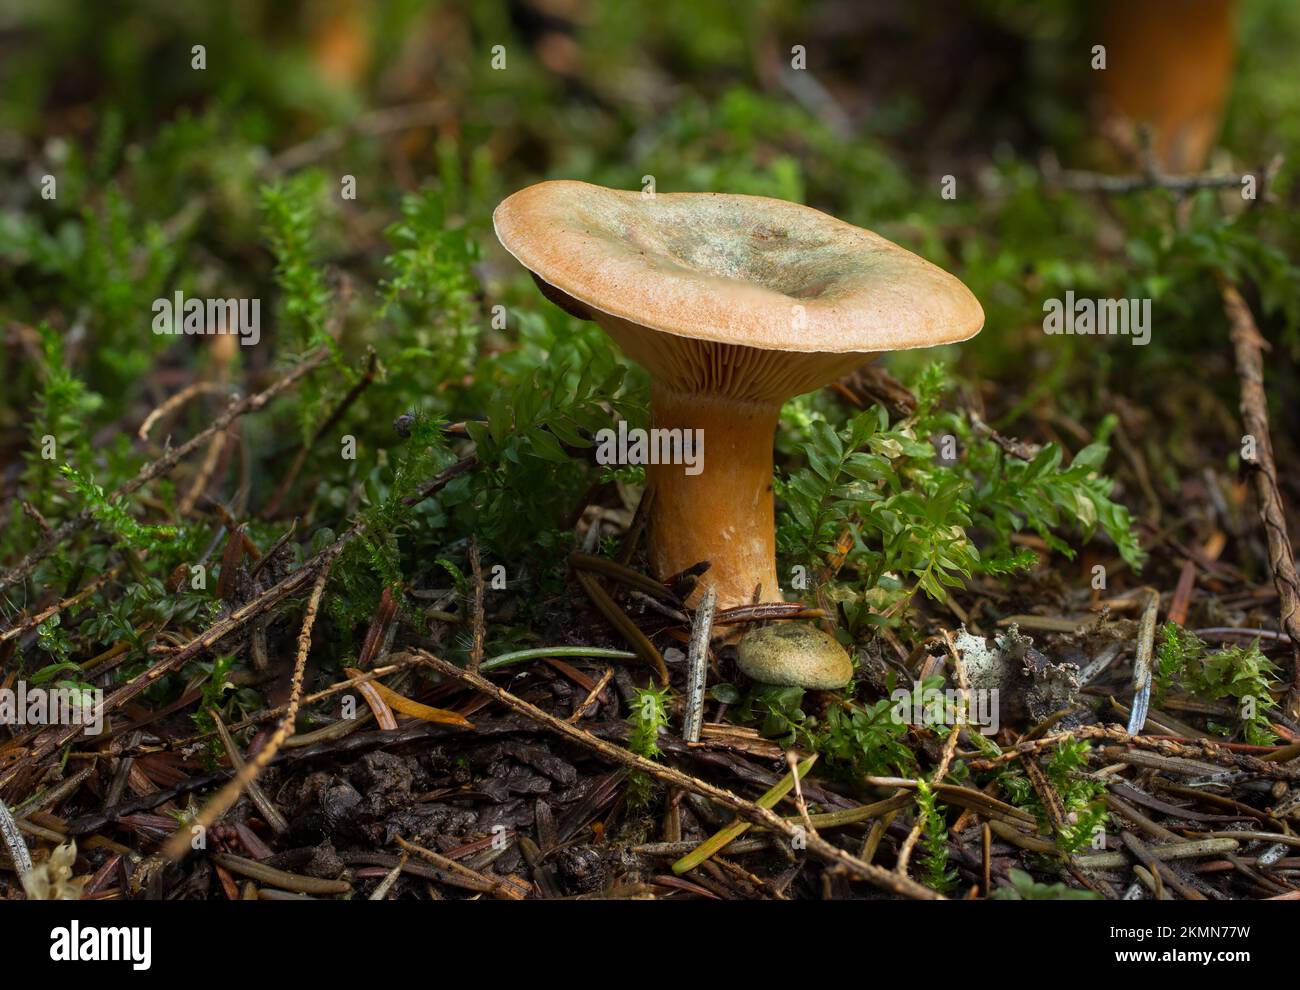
723, 514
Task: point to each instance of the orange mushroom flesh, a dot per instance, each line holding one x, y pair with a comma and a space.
733, 304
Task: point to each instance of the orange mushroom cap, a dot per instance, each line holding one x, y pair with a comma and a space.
732, 270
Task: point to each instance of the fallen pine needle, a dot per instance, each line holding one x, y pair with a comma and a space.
406, 706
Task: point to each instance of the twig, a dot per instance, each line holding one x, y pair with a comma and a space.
400, 662
33, 621
965, 797
176, 401
722, 838
1151, 179
745, 809
416, 868
174, 660
1094, 182
1266, 634
1168, 851
675, 849
1192, 748
476, 572
592, 695
1142, 665
1018, 449
275, 548
179, 844
208, 468
177, 658
654, 604
388, 700
14, 842
697, 666
872, 382
1248, 346
466, 463
279, 878
1160, 873
162, 465
792, 761
905, 851
862, 813
949, 749
381, 892
507, 889
326, 425
764, 611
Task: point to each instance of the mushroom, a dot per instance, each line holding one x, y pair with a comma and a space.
794, 654
733, 304
1169, 64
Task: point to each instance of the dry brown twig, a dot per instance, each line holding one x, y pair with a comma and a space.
174, 402
1248, 348
32, 621
177, 658
1150, 178
592, 696
506, 888
178, 845
207, 469
476, 573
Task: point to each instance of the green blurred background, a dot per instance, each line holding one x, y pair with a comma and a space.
226, 181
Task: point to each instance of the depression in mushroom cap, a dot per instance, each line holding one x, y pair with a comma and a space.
733, 304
